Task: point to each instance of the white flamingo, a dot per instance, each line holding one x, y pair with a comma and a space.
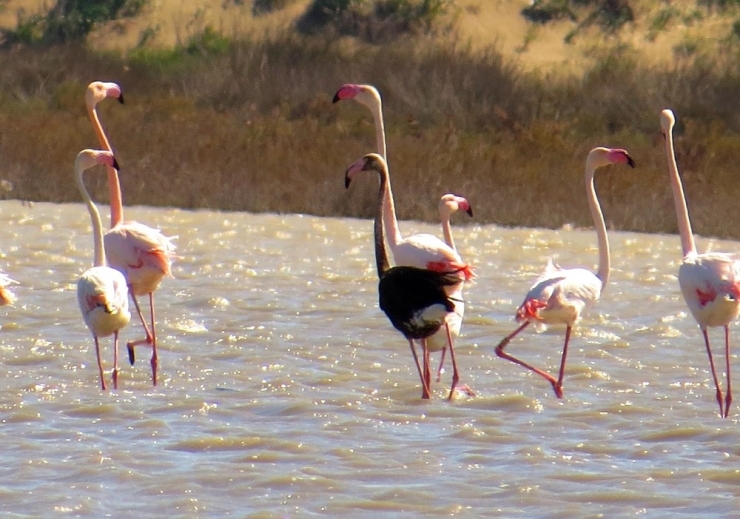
559, 296
710, 282
420, 250
101, 291
142, 253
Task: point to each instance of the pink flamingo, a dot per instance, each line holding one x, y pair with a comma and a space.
710, 282
142, 253
7, 297
559, 296
101, 290
420, 250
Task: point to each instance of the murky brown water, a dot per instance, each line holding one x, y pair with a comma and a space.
286, 393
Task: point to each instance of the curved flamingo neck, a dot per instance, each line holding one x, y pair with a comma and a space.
679, 199
389, 207
381, 254
599, 224
114, 184
447, 229
99, 254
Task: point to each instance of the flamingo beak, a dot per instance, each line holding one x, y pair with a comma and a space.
631, 162
336, 98
120, 98
115, 164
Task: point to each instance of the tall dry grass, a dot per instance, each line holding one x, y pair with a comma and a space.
249, 125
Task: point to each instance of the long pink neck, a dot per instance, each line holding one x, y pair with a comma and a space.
114, 185
389, 208
381, 254
682, 212
599, 224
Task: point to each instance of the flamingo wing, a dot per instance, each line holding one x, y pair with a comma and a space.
560, 296
142, 253
103, 298
710, 284
426, 251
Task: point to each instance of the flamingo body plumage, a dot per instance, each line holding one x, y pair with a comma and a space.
560, 296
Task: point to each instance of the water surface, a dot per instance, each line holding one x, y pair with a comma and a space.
285, 392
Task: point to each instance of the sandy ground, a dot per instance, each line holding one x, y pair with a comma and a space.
482, 22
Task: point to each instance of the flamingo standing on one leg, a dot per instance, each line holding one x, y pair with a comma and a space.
101, 290
559, 296
710, 282
414, 299
142, 253
421, 250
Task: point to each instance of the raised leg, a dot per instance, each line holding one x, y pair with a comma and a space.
501, 353
728, 397
424, 385
100, 363
149, 338
714, 373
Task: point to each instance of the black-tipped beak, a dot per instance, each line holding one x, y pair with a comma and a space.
631, 162
470, 211
347, 181
336, 98
115, 164
120, 98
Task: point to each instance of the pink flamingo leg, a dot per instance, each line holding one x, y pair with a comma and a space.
455, 373
728, 397
424, 385
151, 336
100, 363
115, 360
427, 371
559, 386
714, 373
441, 364
501, 353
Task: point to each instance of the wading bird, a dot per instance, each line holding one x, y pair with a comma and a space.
559, 296
101, 291
142, 253
416, 300
710, 282
420, 250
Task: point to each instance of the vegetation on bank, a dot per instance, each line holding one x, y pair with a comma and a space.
249, 125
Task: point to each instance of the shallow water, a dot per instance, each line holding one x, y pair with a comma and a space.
285, 392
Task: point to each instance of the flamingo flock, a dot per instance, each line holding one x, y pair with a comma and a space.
420, 283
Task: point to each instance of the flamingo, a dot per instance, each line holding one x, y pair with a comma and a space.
101, 290
710, 282
559, 296
142, 253
6, 295
417, 300
420, 250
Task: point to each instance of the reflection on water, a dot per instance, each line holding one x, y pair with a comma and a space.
285, 392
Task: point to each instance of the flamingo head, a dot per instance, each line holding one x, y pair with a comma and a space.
371, 161
99, 90
667, 121
365, 94
601, 156
89, 158
450, 203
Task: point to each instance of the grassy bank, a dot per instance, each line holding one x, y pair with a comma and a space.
250, 126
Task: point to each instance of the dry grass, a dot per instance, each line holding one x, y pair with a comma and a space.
251, 127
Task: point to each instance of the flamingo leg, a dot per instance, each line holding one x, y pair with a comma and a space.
501, 353
427, 371
115, 360
155, 360
149, 339
559, 386
728, 397
100, 363
424, 385
714, 373
455, 373
441, 364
